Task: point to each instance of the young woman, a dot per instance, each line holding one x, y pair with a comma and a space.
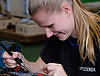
73, 45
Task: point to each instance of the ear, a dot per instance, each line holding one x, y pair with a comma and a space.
66, 8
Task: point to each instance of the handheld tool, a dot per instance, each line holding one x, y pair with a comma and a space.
18, 61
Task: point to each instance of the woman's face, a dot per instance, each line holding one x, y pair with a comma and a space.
60, 24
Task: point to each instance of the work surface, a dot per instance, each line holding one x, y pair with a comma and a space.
22, 38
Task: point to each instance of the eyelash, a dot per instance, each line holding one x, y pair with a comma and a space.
50, 26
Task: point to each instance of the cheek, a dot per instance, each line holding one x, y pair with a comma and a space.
63, 24
68, 25
56, 28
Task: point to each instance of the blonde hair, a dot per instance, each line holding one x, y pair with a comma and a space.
88, 29
86, 23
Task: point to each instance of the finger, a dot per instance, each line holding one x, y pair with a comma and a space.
48, 68
15, 54
51, 73
9, 62
45, 70
10, 66
12, 61
6, 55
52, 66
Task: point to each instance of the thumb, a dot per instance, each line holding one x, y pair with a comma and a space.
15, 54
45, 70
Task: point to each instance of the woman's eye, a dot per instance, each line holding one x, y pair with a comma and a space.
50, 26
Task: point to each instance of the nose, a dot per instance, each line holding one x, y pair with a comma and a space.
49, 32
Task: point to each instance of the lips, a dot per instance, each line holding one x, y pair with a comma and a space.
57, 34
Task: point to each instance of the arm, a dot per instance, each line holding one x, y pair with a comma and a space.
54, 69
33, 66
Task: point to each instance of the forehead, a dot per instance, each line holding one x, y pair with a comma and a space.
40, 16
43, 18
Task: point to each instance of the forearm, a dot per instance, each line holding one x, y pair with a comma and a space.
31, 66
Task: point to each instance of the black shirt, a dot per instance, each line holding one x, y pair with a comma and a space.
67, 54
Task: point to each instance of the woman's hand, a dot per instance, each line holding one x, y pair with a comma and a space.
9, 60
53, 69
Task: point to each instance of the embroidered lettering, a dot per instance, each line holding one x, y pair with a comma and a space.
87, 69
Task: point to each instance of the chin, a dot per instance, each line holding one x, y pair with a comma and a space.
62, 39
